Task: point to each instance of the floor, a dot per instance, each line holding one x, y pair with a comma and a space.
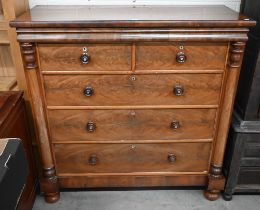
146, 200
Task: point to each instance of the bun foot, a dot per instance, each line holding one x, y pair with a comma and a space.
52, 197
227, 197
211, 195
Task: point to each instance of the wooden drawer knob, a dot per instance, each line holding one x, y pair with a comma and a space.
175, 125
91, 127
93, 160
171, 158
181, 57
178, 90
88, 91
85, 58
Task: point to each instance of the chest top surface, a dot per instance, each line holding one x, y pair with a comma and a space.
132, 16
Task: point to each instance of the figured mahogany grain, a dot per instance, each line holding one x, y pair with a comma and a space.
153, 124
148, 89
137, 111
127, 158
66, 57
163, 56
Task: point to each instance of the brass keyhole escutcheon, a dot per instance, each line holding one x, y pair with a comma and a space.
133, 78
133, 113
133, 147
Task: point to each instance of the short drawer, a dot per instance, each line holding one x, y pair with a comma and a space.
181, 56
60, 57
130, 158
126, 125
140, 89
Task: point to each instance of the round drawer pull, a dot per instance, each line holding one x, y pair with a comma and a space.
172, 158
88, 91
181, 57
178, 90
175, 125
93, 160
85, 58
91, 127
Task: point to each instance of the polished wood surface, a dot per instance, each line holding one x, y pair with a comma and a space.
14, 124
163, 81
67, 57
127, 125
163, 56
48, 182
57, 57
132, 89
131, 158
132, 16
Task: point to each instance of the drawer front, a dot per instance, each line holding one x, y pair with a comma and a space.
60, 57
154, 124
251, 150
127, 158
113, 90
249, 175
208, 56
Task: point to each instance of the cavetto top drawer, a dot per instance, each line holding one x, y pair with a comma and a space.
131, 158
140, 89
177, 56
80, 57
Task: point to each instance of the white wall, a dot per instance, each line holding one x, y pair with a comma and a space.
234, 4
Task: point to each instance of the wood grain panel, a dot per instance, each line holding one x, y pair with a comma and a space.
66, 57
163, 56
116, 90
127, 158
70, 125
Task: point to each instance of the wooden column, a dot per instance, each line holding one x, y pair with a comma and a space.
49, 181
216, 179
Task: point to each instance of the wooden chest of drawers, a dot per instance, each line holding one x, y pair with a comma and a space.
132, 96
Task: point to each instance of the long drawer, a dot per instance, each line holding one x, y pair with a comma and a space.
141, 124
130, 158
143, 89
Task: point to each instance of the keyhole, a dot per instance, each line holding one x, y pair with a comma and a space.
133, 146
133, 78
133, 113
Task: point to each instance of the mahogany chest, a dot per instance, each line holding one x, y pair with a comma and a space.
132, 96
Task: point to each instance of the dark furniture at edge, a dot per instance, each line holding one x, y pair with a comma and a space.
242, 160
13, 124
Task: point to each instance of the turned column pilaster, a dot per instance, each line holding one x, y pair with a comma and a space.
49, 181
216, 181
